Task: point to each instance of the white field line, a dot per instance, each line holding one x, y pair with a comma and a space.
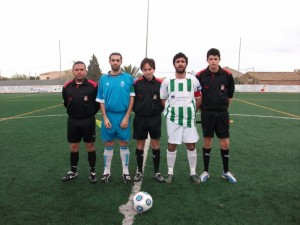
28, 117
260, 116
127, 209
41, 116
243, 115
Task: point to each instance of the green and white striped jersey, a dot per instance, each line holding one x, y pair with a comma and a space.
180, 105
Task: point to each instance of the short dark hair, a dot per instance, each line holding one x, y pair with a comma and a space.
213, 51
180, 55
79, 62
115, 53
151, 62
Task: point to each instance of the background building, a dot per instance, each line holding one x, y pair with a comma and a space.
271, 78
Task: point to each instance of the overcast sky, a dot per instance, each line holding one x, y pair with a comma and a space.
31, 31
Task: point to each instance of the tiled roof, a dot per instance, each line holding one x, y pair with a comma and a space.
293, 76
235, 73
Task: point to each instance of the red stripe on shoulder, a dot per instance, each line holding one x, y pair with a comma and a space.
227, 71
159, 80
199, 73
67, 83
94, 83
137, 80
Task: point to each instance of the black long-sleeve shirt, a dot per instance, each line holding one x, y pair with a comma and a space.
217, 88
147, 100
79, 99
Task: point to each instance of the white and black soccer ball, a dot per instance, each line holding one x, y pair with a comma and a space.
142, 202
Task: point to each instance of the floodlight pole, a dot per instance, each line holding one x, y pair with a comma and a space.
239, 61
59, 59
147, 30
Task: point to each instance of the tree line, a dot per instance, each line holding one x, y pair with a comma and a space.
94, 72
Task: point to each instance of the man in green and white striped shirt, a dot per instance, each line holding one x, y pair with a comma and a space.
181, 98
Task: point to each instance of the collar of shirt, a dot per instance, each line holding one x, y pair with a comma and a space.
220, 71
152, 80
109, 74
83, 83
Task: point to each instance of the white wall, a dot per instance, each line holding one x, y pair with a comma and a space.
268, 88
31, 89
238, 88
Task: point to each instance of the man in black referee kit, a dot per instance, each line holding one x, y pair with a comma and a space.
217, 92
79, 97
148, 108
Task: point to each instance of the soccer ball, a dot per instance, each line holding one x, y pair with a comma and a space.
142, 202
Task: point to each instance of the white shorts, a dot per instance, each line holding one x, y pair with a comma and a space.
178, 134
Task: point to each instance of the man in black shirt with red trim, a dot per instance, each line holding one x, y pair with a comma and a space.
217, 92
79, 97
148, 108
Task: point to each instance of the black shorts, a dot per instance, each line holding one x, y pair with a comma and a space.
215, 122
144, 124
81, 129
